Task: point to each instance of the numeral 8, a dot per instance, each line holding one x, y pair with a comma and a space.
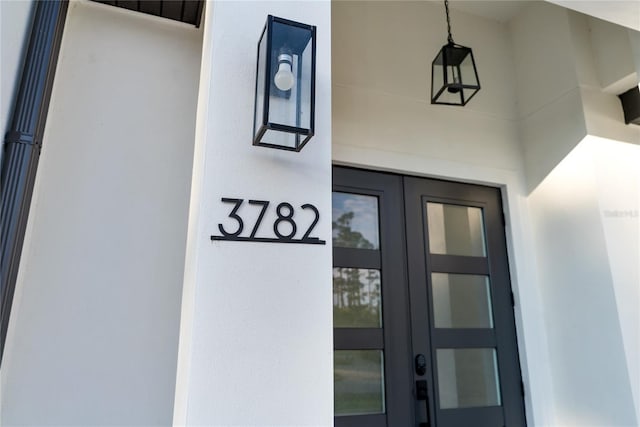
284, 218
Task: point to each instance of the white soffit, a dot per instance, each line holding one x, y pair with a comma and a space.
499, 10
621, 12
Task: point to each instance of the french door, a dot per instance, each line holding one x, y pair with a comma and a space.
424, 332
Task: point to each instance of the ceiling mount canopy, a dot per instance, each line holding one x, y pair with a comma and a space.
454, 77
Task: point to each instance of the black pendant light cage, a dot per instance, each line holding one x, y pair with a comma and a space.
454, 76
284, 112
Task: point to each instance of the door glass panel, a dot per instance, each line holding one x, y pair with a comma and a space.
355, 221
356, 298
467, 377
455, 230
461, 301
358, 382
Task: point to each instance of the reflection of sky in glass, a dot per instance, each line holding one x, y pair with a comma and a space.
365, 218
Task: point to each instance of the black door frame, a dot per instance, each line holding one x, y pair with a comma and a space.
495, 265
397, 266
392, 337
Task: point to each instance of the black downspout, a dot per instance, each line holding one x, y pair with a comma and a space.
23, 142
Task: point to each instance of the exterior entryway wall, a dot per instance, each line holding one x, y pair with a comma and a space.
255, 339
421, 283
537, 102
93, 335
383, 120
587, 232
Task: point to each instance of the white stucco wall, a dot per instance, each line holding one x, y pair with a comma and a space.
550, 105
383, 120
541, 96
620, 12
567, 84
611, 45
600, 84
618, 179
93, 335
634, 41
382, 82
585, 217
256, 329
94, 331
15, 22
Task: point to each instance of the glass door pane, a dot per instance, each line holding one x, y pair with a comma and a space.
357, 298
461, 301
467, 377
358, 382
355, 221
455, 230
357, 307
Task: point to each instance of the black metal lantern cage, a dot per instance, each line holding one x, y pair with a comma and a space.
454, 78
284, 112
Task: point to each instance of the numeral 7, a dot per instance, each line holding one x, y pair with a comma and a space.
265, 205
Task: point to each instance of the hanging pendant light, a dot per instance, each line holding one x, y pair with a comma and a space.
454, 78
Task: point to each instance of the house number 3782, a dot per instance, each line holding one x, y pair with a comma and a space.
284, 226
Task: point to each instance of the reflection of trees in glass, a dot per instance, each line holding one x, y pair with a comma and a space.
356, 303
345, 237
356, 297
356, 292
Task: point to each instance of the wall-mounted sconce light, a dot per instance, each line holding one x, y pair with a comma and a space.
454, 78
285, 85
631, 105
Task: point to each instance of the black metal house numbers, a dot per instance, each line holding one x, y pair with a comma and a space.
284, 227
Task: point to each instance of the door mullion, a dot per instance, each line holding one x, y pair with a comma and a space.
358, 339
361, 421
356, 258
419, 298
458, 264
463, 338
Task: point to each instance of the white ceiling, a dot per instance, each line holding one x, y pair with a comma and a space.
499, 10
621, 12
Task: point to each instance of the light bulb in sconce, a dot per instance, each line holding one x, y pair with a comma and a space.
284, 77
456, 82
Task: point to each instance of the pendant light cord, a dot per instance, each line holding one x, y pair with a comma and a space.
446, 7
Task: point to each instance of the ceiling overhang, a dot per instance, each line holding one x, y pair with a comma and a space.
621, 12
187, 11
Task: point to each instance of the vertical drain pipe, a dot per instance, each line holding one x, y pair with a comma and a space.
23, 142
